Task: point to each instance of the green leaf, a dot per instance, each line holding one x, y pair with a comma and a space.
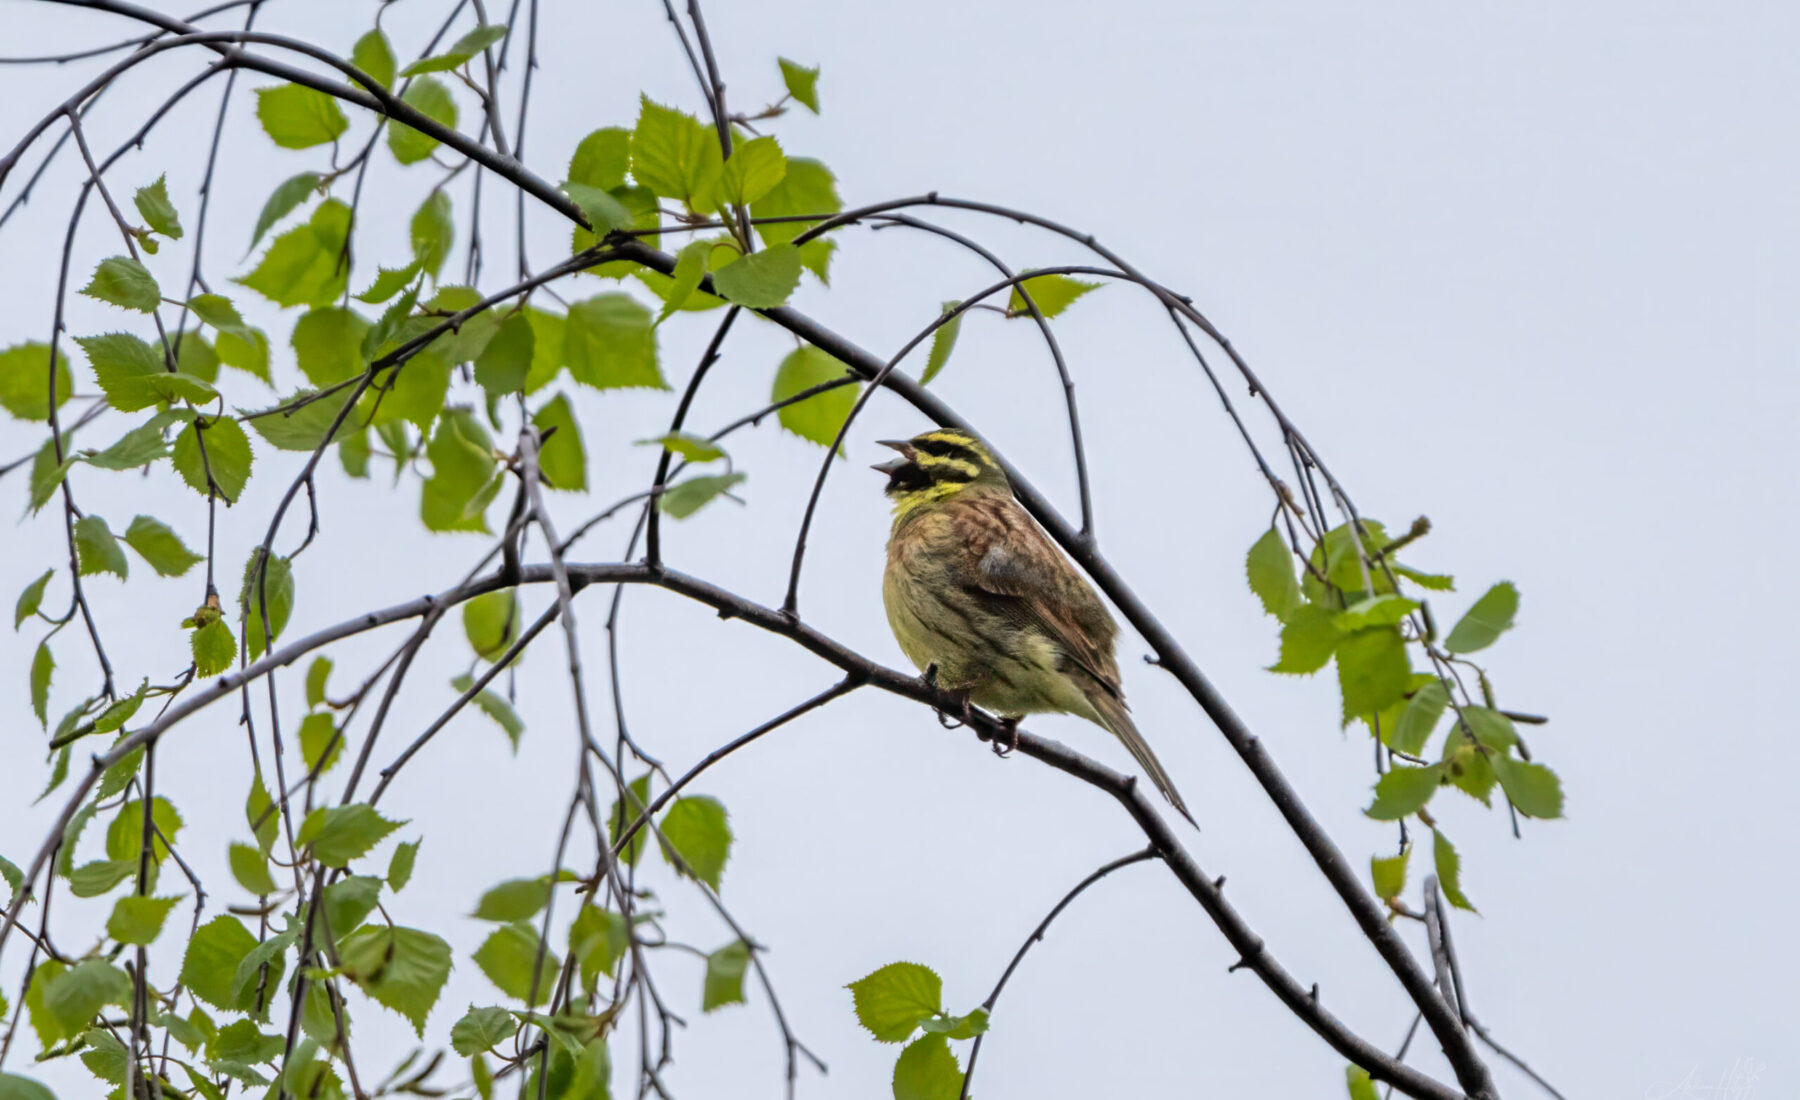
622, 816
46, 476
138, 920
251, 869
598, 939
198, 360
927, 1070
125, 836
25, 380
305, 265
250, 356
389, 281
400, 867
303, 429
433, 232
1490, 728
943, 340
755, 168
1309, 636
431, 98
802, 83
14, 878
244, 1043
31, 599
602, 159
690, 268
327, 344
505, 363
958, 1027
1388, 874
725, 976
262, 815
491, 622
893, 1001
515, 899
126, 283
339, 834
158, 212
138, 447
115, 716
97, 550
1359, 1083
75, 996
1403, 791
1483, 623
1373, 671
603, 212
807, 188
697, 829
1436, 582
688, 497
160, 547
610, 343
693, 448
495, 707
213, 648
317, 674
349, 901
507, 957
1419, 719
1532, 788
320, 742
92, 880
124, 365
281, 202
1449, 870
374, 56
548, 355
227, 455
462, 461
42, 665
815, 256
297, 117
820, 417
403, 969
14, 1087
1270, 568
118, 776
256, 977
761, 280
1371, 611
481, 1030
271, 588
1051, 293
459, 54
105, 1057
674, 155
563, 459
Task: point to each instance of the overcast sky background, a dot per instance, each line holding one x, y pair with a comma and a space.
1525, 268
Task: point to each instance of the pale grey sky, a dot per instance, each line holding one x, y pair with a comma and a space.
1526, 269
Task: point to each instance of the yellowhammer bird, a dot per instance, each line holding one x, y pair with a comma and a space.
981, 599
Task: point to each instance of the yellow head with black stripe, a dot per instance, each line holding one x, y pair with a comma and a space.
938, 465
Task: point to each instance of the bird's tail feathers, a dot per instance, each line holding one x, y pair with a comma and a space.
1117, 719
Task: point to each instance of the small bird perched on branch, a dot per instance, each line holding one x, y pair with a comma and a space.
985, 604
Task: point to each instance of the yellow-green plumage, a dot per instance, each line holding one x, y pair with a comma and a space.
976, 590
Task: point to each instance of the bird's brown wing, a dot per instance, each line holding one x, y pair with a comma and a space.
1008, 557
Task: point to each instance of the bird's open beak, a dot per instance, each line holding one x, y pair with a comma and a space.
906, 455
